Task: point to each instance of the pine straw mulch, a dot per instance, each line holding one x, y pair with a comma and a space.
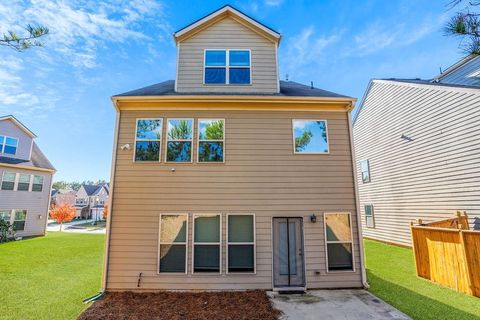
251, 305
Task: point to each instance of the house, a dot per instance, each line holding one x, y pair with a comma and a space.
90, 201
417, 151
227, 178
26, 179
63, 196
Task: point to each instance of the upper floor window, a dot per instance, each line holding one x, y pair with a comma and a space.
23, 182
8, 145
365, 168
179, 140
211, 138
148, 139
227, 67
310, 136
37, 183
8, 180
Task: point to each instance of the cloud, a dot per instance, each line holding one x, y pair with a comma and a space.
307, 47
273, 3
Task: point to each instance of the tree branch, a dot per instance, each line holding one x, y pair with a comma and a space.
20, 43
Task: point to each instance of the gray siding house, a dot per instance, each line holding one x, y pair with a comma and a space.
416, 145
90, 201
26, 179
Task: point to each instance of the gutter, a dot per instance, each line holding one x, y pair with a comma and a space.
357, 204
110, 206
19, 166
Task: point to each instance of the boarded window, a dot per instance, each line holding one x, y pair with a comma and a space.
179, 140
211, 140
8, 181
338, 236
241, 243
365, 168
369, 216
310, 136
173, 243
206, 243
148, 139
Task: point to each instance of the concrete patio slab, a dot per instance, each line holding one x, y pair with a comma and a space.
334, 304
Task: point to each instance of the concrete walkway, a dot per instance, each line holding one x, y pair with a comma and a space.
334, 304
70, 227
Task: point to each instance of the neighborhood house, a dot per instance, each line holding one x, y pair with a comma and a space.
26, 179
90, 201
417, 149
227, 177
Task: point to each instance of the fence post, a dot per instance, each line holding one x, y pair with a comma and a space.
414, 248
466, 262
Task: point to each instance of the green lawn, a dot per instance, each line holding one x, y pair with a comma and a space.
48, 277
391, 275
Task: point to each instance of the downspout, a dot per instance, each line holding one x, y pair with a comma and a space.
110, 201
357, 201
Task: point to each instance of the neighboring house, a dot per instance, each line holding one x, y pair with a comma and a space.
416, 145
26, 179
63, 196
90, 201
227, 178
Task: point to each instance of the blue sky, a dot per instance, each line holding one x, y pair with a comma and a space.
100, 48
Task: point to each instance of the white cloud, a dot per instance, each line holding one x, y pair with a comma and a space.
273, 3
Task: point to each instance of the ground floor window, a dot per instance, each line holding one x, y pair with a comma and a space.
206, 243
16, 218
369, 219
173, 243
241, 243
338, 238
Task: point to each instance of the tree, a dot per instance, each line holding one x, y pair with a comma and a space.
60, 185
105, 212
465, 24
63, 213
302, 141
13, 40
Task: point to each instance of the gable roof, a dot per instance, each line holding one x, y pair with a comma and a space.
464, 72
37, 161
93, 189
287, 89
220, 14
18, 124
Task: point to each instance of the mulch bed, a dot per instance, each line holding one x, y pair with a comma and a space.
250, 305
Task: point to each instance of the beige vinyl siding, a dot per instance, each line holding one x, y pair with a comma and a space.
227, 34
428, 178
261, 175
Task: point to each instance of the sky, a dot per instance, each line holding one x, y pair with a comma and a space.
97, 49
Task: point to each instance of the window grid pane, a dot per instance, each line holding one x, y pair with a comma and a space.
310, 136
241, 243
211, 134
339, 242
206, 243
148, 137
8, 182
179, 140
173, 243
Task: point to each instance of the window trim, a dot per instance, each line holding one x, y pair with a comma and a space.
160, 243
207, 243
373, 216
326, 242
242, 243
147, 140
33, 180
293, 136
183, 140
198, 141
29, 181
4, 144
14, 181
227, 67
361, 171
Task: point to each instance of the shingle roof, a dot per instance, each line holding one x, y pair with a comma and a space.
38, 160
8, 160
287, 89
90, 189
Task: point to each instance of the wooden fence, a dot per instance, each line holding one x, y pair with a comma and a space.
449, 256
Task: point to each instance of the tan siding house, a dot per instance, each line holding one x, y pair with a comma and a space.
228, 179
417, 155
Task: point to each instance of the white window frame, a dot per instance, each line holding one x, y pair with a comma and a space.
372, 216
12, 217
326, 131
368, 170
148, 140
4, 144
243, 243
33, 180
198, 141
341, 242
14, 181
206, 243
227, 67
182, 140
29, 181
163, 243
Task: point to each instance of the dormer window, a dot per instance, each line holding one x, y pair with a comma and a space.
227, 67
8, 145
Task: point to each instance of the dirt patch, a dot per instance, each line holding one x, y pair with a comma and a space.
252, 305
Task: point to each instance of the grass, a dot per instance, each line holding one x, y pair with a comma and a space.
90, 226
391, 275
48, 277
